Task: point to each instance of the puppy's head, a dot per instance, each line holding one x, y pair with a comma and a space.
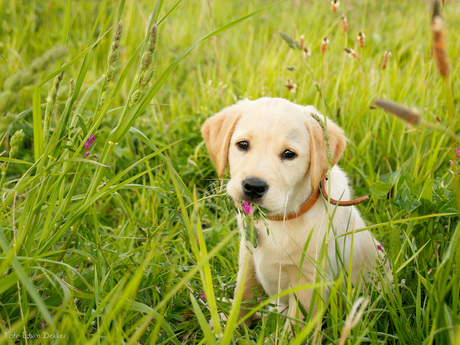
275, 150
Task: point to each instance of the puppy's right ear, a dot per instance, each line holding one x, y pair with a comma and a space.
217, 132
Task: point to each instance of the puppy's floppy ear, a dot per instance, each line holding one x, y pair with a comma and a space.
318, 153
217, 132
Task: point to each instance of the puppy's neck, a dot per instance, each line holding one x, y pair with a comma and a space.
301, 193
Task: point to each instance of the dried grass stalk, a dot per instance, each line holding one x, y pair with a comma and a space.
386, 57
439, 40
344, 23
361, 38
410, 116
324, 44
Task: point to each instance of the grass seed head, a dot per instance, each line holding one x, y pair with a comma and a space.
50, 102
115, 49
439, 40
147, 70
351, 53
7, 101
386, 57
148, 55
324, 44
344, 23
335, 5
49, 57
409, 115
302, 42
306, 52
291, 86
361, 38
21, 79
71, 87
15, 143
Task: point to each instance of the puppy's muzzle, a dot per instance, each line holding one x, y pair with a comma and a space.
254, 188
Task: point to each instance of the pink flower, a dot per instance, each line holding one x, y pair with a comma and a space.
458, 150
203, 297
380, 246
259, 300
86, 154
247, 208
91, 138
87, 145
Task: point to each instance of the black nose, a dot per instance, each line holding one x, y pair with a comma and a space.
254, 187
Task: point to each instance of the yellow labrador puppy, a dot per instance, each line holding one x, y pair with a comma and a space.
276, 155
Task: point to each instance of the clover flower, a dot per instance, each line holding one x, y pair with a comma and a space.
247, 208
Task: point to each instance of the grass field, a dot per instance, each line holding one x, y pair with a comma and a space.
113, 225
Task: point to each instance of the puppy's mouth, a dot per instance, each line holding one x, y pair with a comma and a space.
257, 201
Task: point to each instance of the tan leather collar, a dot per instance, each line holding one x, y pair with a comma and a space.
308, 204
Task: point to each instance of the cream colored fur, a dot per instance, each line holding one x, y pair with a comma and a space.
271, 126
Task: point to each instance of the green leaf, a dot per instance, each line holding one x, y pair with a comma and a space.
24, 278
406, 180
394, 177
202, 320
128, 121
405, 200
380, 188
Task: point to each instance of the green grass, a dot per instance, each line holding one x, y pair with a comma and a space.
104, 250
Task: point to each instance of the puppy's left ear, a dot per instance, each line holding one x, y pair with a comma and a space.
217, 132
318, 153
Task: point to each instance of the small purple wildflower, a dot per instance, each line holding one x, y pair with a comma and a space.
91, 138
247, 208
259, 300
95, 156
86, 154
380, 246
203, 297
87, 145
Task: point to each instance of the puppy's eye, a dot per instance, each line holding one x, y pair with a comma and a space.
288, 154
243, 145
